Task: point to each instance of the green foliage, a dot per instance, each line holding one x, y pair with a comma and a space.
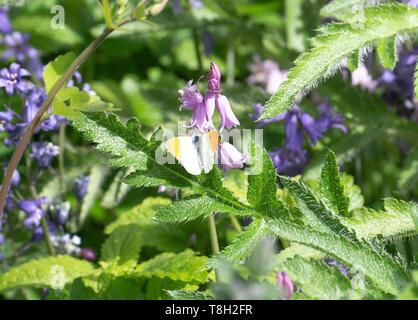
386, 49
184, 266
331, 188
408, 178
46, 272
335, 7
337, 41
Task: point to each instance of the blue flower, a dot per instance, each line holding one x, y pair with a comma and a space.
34, 210
5, 25
344, 270
44, 153
62, 212
81, 184
18, 47
5, 118
11, 79
38, 233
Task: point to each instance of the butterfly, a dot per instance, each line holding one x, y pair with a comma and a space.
195, 152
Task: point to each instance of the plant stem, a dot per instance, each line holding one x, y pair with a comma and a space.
197, 49
20, 149
47, 238
236, 224
213, 235
61, 156
230, 61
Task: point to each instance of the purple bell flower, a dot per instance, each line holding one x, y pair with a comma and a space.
77, 76
52, 123
81, 184
193, 100
1, 240
229, 157
33, 208
328, 120
18, 47
285, 284
15, 133
11, 79
15, 179
214, 98
5, 118
5, 25
44, 153
62, 212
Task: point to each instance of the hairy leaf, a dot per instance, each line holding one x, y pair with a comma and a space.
337, 41
331, 189
386, 49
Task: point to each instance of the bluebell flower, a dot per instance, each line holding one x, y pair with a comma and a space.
258, 109
18, 47
52, 123
328, 120
35, 98
229, 157
5, 25
15, 179
11, 79
78, 78
34, 210
81, 184
62, 212
5, 118
44, 153
15, 132
285, 284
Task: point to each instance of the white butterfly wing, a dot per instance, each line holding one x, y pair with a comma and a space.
185, 152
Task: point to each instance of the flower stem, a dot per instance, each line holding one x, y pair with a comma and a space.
47, 238
213, 235
61, 156
197, 49
20, 149
236, 224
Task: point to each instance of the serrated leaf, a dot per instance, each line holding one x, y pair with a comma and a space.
262, 190
338, 6
394, 221
184, 266
52, 272
337, 41
243, 245
331, 189
194, 207
313, 209
386, 49
379, 268
318, 280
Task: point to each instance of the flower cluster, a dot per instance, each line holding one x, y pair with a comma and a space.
203, 109
291, 159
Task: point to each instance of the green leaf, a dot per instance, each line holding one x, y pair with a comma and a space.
262, 190
331, 189
184, 266
313, 209
56, 69
386, 49
378, 267
394, 221
317, 279
52, 272
352, 191
297, 249
157, 288
413, 210
337, 41
194, 207
243, 245
408, 178
353, 61
123, 246
162, 236
338, 6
